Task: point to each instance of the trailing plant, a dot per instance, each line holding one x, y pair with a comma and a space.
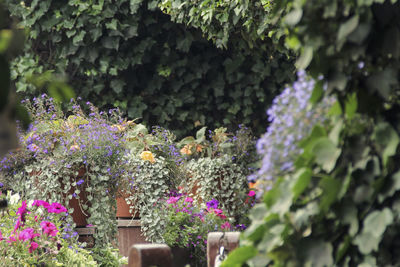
74, 158
151, 180
124, 54
188, 224
219, 179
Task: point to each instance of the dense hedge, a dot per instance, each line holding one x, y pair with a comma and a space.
129, 54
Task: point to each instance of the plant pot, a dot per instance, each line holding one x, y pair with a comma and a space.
123, 209
79, 217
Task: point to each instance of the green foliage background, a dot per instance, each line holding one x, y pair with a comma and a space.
340, 206
130, 55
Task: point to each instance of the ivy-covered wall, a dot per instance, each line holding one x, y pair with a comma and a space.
130, 55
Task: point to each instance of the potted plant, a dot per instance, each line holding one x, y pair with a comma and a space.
187, 226
74, 159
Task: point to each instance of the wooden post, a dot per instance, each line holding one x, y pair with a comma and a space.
215, 240
145, 255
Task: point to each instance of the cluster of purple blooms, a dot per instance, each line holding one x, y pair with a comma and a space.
94, 139
168, 148
291, 119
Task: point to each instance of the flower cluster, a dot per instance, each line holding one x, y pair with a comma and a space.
291, 119
33, 233
188, 224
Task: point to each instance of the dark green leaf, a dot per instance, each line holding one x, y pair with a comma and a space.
348, 27
331, 188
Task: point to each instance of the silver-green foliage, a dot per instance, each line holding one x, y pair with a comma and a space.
220, 179
151, 183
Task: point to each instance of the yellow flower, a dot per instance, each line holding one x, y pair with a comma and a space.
118, 128
147, 155
187, 150
74, 148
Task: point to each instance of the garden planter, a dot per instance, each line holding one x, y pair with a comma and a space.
123, 209
79, 217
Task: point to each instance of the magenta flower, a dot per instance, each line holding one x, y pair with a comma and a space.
172, 200
33, 246
49, 228
17, 225
189, 199
22, 211
56, 208
27, 234
226, 225
251, 193
39, 203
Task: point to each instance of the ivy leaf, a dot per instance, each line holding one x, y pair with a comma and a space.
387, 140
117, 85
305, 58
366, 243
350, 105
377, 221
326, 153
79, 37
318, 253
348, 27
331, 188
293, 17
381, 82
134, 5
302, 178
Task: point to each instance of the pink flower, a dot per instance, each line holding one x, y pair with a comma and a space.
56, 208
41, 203
17, 225
33, 246
251, 193
219, 213
189, 199
1, 236
226, 225
22, 211
172, 200
49, 228
27, 234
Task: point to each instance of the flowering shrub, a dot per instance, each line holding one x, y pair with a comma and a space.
188, 225
36, 233
291, 119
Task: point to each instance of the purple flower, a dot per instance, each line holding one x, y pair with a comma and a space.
80, 182
212, 204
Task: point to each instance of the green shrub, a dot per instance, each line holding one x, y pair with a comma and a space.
130, 55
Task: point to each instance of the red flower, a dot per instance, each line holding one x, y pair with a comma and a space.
33, 246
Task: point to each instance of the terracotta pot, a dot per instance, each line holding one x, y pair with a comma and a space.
80, 217
123, 209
